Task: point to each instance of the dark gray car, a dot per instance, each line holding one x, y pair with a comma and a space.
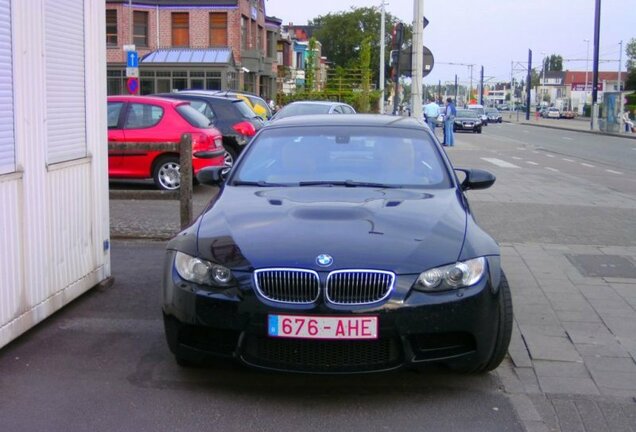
467, 120
313, 107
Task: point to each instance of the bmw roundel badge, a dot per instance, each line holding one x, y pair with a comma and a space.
324, 260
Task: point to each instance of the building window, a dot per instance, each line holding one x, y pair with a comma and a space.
180, 29
111, 28
218, 29
259, 38
213, 80
7, 140
140, 29
243, 33
271, 45
253, 35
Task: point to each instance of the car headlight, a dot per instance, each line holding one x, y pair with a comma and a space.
458, 122
201, 271
458, 275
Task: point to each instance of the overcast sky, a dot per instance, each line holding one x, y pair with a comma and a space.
493, 33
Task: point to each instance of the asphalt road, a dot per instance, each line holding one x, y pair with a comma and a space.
101, 364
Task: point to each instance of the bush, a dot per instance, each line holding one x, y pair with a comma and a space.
355, 99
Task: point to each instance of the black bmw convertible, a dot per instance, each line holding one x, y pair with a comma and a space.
339, 244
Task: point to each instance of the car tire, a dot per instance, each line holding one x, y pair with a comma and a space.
166, 173
479, 130
229, 158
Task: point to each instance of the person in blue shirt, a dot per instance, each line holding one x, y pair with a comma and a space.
450, 113
431, 112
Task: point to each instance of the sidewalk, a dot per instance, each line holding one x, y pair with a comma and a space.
577, 125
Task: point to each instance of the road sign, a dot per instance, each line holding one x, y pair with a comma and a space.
132, 59
424, 22
133, 85
406, 57
129, 47
132, 72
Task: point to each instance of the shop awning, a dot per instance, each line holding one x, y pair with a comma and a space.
190, 55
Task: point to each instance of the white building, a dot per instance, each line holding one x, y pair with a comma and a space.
54, 231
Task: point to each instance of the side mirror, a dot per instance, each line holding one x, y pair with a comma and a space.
476, 179
211, 176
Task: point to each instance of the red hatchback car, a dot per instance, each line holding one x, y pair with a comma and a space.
152, 119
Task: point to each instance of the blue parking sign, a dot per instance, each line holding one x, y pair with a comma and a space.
132, 59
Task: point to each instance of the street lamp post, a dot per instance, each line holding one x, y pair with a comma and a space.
543, 81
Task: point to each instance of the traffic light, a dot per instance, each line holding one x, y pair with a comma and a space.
396, 46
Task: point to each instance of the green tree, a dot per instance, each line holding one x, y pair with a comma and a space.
630, 51
365, 69
310, 65
553, 63
342, 34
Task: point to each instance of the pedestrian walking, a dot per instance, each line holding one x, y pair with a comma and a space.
449, 118
629, 124
431, 112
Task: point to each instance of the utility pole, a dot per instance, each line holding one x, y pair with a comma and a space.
587, 67
455, 89
597, 37
417, 59
471, 83
511, 107
620, 92
528, 84
382, 30
481, 87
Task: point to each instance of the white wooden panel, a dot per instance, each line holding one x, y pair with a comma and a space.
11, 303
7, 140
65, 80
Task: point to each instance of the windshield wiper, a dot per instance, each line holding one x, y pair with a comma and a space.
346, 183
255, 183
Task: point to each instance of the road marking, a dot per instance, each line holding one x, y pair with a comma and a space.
614, 172
587, 165
531, 163
524, 149
517, 158
500, 163
525, 131
552, 169
567, 138
567, 160
549, 155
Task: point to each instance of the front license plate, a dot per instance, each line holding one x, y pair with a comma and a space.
323, 327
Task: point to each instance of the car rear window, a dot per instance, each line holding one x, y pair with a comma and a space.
302, 109
245, 110
192, 116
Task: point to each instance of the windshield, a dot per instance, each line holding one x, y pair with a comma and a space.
479, 111
342, 156
466, 113
491, 111
302, 109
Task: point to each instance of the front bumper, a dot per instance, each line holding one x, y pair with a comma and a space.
415, 328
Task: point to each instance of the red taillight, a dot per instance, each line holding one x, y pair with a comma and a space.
203, 142
245, 128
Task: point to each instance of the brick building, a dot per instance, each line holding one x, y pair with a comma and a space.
206, 44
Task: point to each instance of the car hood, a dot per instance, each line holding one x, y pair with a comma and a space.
404, 230
473, 119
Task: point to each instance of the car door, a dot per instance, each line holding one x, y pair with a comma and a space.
141, 126
115, 109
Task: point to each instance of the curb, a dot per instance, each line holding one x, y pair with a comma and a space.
633, 136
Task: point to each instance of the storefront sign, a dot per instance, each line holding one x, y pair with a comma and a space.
582, 87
